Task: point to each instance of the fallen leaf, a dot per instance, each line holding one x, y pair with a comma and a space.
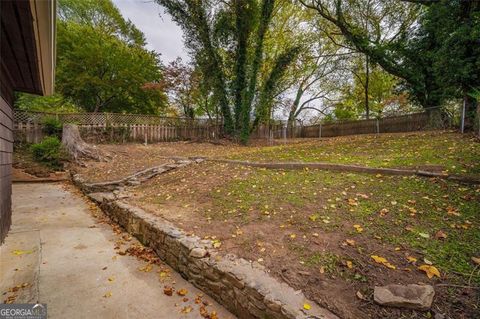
352, 202
146, 268
182, 292
21, 252
441, 235
168, 290
349, 264
111, 279
411, 259
428, 262
186, 309
476, 260
383, 261
107, 295
452, 211
383, 212
203, 312
360, 296
10, 299
217, 243
358, 228
306, 306
350, 242
424, 235
430, 271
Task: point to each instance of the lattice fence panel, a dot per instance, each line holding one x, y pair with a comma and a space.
105, 119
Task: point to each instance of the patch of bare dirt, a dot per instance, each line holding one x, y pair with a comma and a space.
25, 168
130, 158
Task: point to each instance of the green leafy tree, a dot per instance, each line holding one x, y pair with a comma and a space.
453, 27
55, 103
101, 73
432, 45
227, 41
102, 65
313, 79
102, 15
382, 91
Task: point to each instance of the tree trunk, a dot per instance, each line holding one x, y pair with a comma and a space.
470, 110
76, 147
367, 80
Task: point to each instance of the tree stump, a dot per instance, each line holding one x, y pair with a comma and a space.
76, 147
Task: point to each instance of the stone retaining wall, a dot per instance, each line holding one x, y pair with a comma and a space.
245, 288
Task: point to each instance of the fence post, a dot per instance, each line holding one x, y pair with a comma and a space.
145, 134
378, 126
320, 129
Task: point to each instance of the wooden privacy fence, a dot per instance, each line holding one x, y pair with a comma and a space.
111, 127
394, 124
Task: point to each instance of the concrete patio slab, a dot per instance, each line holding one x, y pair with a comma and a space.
58, 254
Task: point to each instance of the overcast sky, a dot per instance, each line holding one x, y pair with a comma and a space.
162, 34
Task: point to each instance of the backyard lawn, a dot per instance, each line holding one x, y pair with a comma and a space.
452, 152
335, 235
326, 233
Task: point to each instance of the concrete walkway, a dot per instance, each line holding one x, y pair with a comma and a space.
59, 254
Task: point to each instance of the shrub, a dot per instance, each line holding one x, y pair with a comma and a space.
52, 126
48, 151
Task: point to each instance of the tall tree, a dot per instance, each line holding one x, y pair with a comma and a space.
226, 39
102, 15
454, 28
385, 46
414, 48
102, 64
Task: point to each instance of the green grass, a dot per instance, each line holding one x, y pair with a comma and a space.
455, 152
417, 208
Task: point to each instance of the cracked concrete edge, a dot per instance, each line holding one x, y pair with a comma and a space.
351, 168
245, 288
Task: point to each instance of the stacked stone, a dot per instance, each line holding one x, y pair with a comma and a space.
243, 287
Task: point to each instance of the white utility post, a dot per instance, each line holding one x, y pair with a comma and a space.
462, 119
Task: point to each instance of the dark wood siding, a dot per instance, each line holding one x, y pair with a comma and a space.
6, 150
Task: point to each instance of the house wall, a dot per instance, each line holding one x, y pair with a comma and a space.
19, 71
6, 150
